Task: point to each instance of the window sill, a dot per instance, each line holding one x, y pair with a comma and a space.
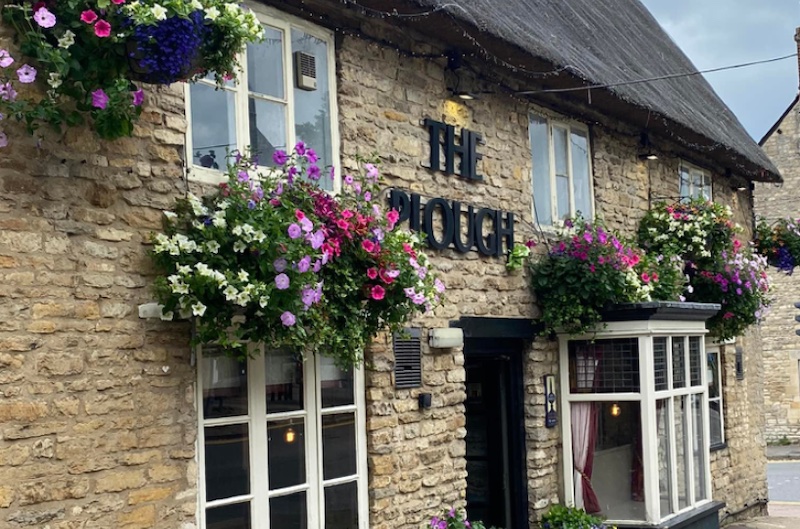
718, 447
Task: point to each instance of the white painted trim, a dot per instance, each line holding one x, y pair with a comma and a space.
649, 430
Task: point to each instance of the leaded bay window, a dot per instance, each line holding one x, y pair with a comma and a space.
271, 107
636, 422
282, 442
562, 175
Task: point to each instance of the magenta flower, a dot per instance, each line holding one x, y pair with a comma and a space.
281, 281
102, 29
311, 156
279, 157
377, 293
300, 148
118, 2
26, 74
6, 59
348, 180
288, 319
372, 171
314, 173
138, 97
88, 16
99, 99
372, 273
294, 231
44, 18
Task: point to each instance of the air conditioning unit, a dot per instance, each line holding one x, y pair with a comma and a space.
305, 71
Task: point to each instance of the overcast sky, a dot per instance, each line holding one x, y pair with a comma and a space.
715, 33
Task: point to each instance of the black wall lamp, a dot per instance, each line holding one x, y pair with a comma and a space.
646, 151
454, 63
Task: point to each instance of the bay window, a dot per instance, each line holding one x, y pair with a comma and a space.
281, 442
268, 108
636, 420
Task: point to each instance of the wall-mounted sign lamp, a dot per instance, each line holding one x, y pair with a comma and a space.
445, 338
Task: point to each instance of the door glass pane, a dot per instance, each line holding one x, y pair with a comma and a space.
681, 461
284, 376
224, 385
265, 64
341, 506
540, 157
227, 461
213, 125
698, 448
579, 145
338, 445
664, 472
288, 512
286, 453
562, 172
336, 385
236, 516
312, 116
267, 129
678, 363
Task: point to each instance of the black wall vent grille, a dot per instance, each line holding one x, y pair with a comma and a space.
407, 359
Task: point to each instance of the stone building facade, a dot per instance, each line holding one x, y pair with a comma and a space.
100, 416
781, 344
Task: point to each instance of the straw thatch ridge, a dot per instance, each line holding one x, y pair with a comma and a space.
611, 41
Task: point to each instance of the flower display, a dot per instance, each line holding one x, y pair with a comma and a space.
779, 243
563, 517
454, 519
719, 268
588, 268
82, 47
270, 257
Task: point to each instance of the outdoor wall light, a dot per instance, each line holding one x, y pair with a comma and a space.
646, 151
445, 338
289, 435
615, 410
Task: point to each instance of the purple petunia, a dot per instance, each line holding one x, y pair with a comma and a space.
316, 239
6, 59
294, 231
279, 157
279, 264
26, 74
304, 264
99, 99
288, 319
44, 18
138, 97
314, 173
281, 281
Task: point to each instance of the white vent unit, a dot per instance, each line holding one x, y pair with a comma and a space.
305, 71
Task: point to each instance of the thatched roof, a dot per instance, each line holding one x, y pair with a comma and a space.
612, 41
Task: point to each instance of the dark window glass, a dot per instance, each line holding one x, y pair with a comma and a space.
236, 516
338, 445
286, 454
224, 384
341, 506
284, 388
288, 512
227, 461
336, 385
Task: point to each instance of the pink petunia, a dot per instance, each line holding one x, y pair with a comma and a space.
102, 29
118, 2
378, 292
88, 16
44, 18
372, 273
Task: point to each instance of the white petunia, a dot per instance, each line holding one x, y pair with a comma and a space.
67, 40
243, 276
159, 12
263, 301
239, 247
212, 13
212, 246
230, 293
198, 309
170, 215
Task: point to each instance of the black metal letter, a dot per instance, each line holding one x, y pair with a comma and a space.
447, 221
480, 240
502, 232
435, 128
460, 246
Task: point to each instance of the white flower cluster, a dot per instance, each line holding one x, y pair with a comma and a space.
215, 11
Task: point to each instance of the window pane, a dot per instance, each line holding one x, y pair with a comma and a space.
341, 506
618, 470
685, 183
562, 172
224, 385
697, 184
579, 145
338, 445
213, 125
604, 366
695, 362
713, 374
288, 512
227, 461
664, 472
265, 64
284, 377
678, 363
267, 129
312, 116
236, 516
660, 363
540, 157
698, 448
286, 453
336, 384
715, 421
681, 461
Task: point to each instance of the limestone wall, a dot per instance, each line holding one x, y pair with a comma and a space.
781, 344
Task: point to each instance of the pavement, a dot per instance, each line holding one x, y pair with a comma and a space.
782, 515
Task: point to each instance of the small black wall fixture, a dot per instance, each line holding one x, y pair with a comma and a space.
739, 363
425, 400
646, 151
407, 347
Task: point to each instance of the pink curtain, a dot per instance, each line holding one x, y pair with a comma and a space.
584, 438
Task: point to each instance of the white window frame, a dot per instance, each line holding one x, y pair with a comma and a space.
645, 331
716, 351
284, 23
569, 126
257, 419
693, 171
